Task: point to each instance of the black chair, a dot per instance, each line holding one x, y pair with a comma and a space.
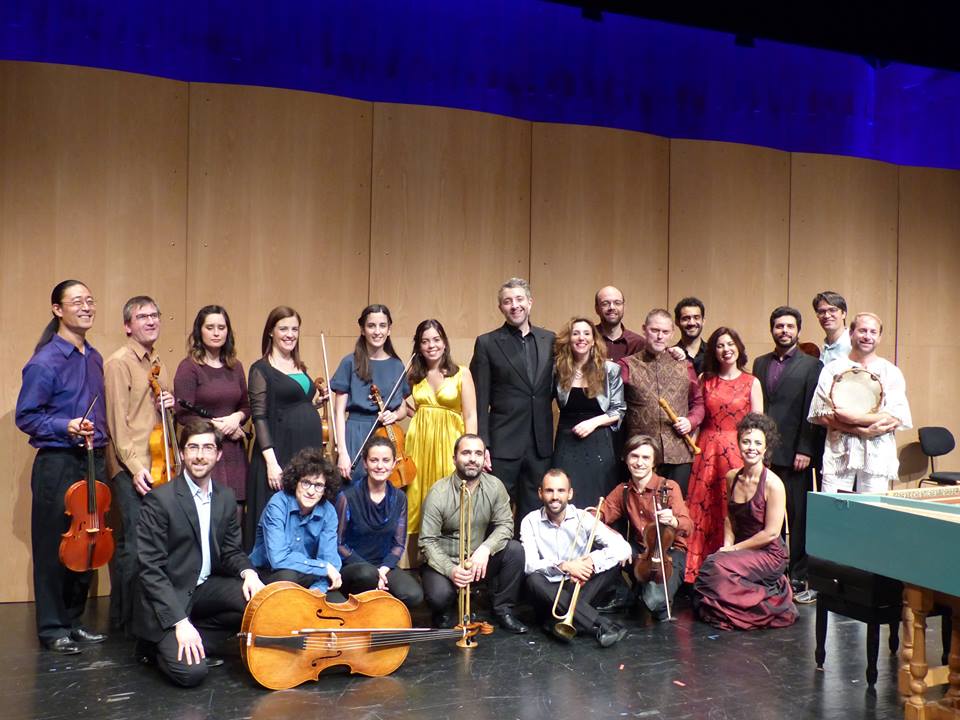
937, 441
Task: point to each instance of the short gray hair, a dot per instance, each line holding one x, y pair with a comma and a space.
515, 283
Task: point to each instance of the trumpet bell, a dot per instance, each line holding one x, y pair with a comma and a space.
566, 630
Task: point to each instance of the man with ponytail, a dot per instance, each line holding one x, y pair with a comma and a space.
60, 381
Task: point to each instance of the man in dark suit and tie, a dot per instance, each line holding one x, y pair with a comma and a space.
193, 574
788, 378
512, 367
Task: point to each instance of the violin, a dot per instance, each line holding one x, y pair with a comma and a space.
88, 543
289, 634
325, 416
164, 453
654, 564
405, 469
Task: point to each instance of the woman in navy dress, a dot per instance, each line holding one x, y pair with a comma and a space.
373, 529
373, 362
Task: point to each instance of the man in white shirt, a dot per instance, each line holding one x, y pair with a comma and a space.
555, 548
861, 451
831, 310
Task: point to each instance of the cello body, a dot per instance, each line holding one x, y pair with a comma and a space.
279, 655
164, 453
648, 566
88, 542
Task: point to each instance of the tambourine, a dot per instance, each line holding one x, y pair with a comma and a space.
856, 390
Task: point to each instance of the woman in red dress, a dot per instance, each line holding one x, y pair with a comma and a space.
743, 586
729, 394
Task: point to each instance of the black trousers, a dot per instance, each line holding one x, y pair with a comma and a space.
504, 573
124, 568
797, 485
521, 477
362, 576
306, 580
61, 594
585, 617
678, 472
216, 610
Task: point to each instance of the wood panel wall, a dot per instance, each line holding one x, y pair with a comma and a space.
253, 197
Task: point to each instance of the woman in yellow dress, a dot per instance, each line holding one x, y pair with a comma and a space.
443, 406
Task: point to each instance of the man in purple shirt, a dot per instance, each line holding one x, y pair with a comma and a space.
788, 378
60, 382
621, 342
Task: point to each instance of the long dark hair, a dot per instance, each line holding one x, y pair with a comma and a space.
56, 298
228, 353
710, 363
418, 369
266, 341
361, 361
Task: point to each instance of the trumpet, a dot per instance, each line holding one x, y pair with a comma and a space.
463, 594
565, 627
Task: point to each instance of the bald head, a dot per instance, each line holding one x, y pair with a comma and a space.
608, 303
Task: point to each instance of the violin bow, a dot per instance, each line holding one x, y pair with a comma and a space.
663, 565
87, 413
386, 402
330, 409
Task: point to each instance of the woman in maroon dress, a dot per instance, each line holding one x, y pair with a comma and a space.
212, 379
728, 395
743, 586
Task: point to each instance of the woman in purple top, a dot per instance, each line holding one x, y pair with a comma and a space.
742, 586
212, 381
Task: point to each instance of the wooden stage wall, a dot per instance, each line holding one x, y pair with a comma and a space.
253, 197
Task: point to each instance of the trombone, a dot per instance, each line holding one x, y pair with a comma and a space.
565, 627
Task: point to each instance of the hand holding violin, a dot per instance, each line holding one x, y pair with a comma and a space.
80, 428
666, 517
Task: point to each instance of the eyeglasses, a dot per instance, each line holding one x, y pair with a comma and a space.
610, 303
195, 449
308, 486
79, 303
824, 312
147, 316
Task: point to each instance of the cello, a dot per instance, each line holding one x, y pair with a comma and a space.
289, 634
88, 543
405, 470
164, 453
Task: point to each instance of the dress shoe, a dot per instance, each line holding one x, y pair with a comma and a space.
614, 605
213, 662
509, 623
63, 645
82, 635
610, 634
442, 620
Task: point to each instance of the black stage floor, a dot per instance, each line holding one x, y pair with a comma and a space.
678, 670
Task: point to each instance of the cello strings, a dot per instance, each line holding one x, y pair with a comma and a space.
370, 640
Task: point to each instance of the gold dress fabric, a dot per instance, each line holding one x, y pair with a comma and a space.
433, 430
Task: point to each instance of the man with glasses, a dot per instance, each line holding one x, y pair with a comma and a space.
831, 310
609, 304
195, 579
297, 533
132, 413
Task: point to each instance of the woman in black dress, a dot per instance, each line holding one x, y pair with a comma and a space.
589, 392
282, 403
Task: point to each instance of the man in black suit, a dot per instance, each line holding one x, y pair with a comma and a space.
512, 367
192, 571
788, 378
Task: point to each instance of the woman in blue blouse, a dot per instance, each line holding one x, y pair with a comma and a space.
373, 362
297, 532
373, 529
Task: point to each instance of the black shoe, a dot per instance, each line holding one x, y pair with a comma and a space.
509, 623
616, 604
442, 620
63, 645
213, 662
82, 635
610, 634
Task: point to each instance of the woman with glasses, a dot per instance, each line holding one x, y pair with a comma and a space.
297, 533
212, 381
373, 529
